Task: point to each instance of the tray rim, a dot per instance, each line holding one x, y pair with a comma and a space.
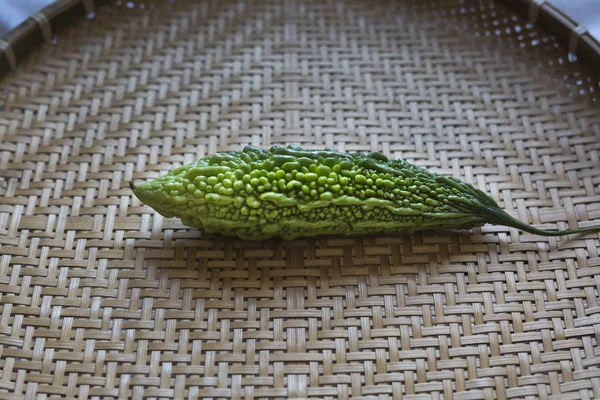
16, 44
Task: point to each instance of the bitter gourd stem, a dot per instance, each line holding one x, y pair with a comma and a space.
500, 217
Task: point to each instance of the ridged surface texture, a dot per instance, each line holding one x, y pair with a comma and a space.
289, 192
103, 298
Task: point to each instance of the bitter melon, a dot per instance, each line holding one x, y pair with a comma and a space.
291, 192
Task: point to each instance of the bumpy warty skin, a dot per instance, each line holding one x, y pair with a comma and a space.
291, 192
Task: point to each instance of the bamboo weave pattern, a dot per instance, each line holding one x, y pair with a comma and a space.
102, 298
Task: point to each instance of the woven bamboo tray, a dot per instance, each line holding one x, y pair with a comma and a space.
101, 298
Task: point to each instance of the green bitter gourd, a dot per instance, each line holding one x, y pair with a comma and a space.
291, 192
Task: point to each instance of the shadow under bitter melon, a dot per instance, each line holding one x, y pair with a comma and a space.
290, 192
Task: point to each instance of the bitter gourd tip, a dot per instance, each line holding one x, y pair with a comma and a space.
291, 192
156, 194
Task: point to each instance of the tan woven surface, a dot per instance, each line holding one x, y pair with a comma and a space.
102, 298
